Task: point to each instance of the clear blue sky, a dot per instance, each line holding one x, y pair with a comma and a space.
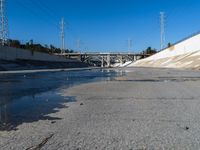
102, 25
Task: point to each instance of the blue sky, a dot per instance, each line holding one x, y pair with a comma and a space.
102, 25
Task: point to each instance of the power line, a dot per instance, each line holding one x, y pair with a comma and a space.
45, 9
36, 14
49, 10
38, 7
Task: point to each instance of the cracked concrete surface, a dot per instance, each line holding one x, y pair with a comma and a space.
146, 109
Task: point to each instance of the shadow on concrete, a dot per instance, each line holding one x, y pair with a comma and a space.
26, 98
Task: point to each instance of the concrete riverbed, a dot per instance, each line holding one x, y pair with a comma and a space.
138, 108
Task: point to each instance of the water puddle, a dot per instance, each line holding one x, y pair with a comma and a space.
34, 96
31, 108
161, 79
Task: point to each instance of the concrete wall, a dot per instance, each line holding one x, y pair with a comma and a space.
187, 46
12, 54
185, 54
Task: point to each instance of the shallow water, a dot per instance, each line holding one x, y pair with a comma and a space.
31, 97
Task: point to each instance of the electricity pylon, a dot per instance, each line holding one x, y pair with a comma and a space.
3, 23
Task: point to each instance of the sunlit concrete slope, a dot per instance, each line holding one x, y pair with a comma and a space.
184, 54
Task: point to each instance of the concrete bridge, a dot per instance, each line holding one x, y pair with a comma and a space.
105, 59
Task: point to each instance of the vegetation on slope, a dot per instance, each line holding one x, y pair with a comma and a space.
36, 47
149, 51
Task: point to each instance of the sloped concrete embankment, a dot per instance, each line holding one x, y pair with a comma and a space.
20, 59
184, 54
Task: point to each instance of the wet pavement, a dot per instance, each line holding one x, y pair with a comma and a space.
26, 98
132, 108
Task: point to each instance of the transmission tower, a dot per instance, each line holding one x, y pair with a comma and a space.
130, 45
3, 23
162, 30
62, 27
78, 44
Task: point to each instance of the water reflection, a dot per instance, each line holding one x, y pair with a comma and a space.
31, 97
3, 116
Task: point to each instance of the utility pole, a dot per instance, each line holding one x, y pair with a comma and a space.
3, 23
130, 45
78, 44
62, 27
162, 30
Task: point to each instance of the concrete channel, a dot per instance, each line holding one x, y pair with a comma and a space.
139, 108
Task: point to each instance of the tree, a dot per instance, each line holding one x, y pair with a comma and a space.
15, 43
52, 48
36, 47
169, 45
150, 51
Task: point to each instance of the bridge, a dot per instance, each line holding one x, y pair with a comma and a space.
105, 59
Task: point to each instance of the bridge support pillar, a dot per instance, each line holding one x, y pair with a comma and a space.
102, 61
121, 59
108, 60
134, 58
